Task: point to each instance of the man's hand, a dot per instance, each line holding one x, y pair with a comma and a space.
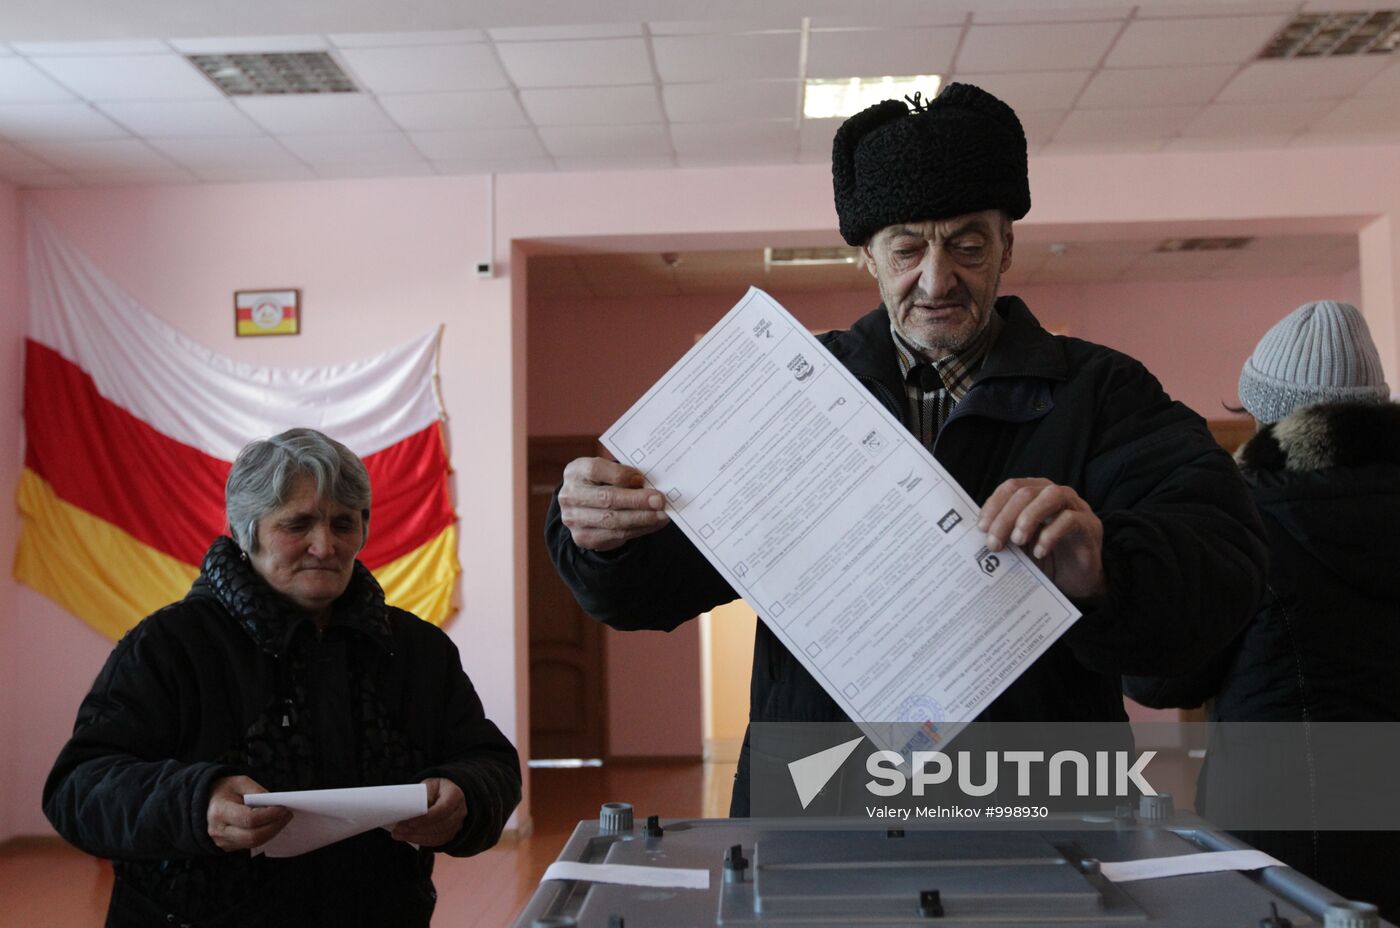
1057, 528
447, 809
236, 827
604, 504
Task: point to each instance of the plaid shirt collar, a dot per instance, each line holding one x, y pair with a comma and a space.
958, 370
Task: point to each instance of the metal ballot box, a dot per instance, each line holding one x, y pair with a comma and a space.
767, 873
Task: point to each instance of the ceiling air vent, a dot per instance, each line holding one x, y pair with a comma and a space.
809, 257
1204, 244
274, 73
1329, 35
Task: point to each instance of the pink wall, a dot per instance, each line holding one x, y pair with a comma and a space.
382, 259
11, 458
378, 262
1193, 336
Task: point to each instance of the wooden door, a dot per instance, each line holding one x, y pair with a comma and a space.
568, 684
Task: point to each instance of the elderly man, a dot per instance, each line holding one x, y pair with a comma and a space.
1072, 450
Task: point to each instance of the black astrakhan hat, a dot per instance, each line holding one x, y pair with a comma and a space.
961, 152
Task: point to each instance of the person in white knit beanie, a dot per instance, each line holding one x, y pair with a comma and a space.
1323, 650
1320, 353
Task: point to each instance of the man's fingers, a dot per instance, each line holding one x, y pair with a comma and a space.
602, 471
591, 496
1001, 520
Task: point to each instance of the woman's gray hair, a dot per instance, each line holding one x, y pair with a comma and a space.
264, 473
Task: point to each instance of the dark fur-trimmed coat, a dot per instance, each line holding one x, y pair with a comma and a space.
1324, 645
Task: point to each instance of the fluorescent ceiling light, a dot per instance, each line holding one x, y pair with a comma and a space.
807, 257
846, 96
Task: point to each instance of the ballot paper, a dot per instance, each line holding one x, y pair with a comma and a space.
325, 816
838, 527
629, 875
1156, 868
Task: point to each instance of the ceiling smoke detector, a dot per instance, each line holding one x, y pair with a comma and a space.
1332, 35
1218, 243
246, 75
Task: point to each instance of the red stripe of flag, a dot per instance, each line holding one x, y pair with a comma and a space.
101, 458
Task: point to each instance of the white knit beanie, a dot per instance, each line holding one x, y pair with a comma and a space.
1320, 353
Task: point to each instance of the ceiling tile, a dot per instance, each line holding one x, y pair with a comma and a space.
249, 44
39, 180
1223, 40
430, 68
113, 47
465, 109
1046, 47
723, 26
135, 178
734, 157
752, 139
21, 82
293, 170
616, 163
887, 13
1100, 146
877, 52
1254, 140
1389, 138
322, 112
592, 106
726, 58
479, 144
258, 154
1385, 84
1155, 86
1222, 8
130, 77
1301, 79
1040, 125
1031, 90
1374, 114
493, 165
1176, 265
26, 121
112, 155
731, 102
13, 159
551, 33
1332, 6
181, 118
353, 148
577, 64
817, 134
1138, 124
598, 141
391, 169
1046, 15
1246, 119
390, 39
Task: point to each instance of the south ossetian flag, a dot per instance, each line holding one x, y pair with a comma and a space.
131, 428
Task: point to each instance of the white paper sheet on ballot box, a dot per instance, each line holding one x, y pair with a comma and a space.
838, 527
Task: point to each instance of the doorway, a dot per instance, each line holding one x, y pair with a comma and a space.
568, 680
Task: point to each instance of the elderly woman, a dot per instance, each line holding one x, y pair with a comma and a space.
282, 669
